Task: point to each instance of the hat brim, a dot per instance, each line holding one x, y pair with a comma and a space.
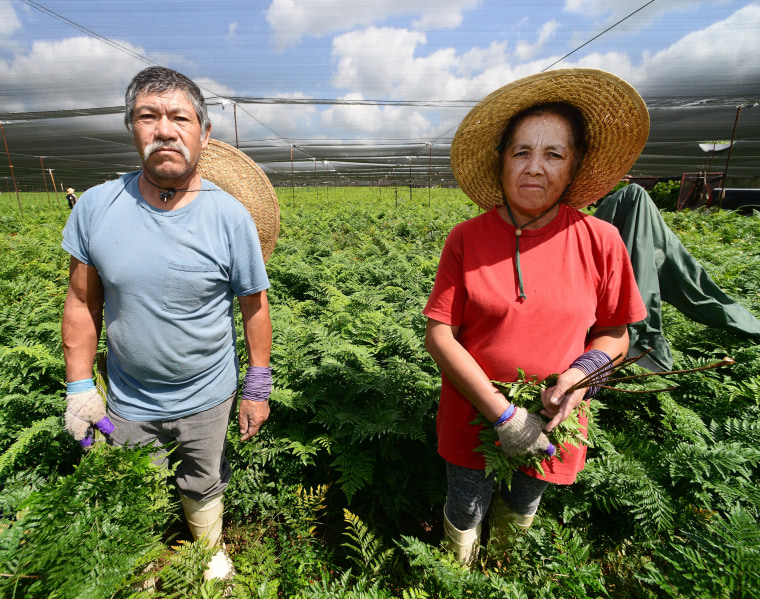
617, 128
238, 175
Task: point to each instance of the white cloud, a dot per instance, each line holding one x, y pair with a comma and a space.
77, 72
232, 31
290, 20
611, 12
383, 63
478, 59
384, 122
263, 121
718, 60
9, 22
525, 50
375, 60
72, 73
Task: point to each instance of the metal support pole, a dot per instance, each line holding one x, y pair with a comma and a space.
13, 176
430, 168
234, 114
728, 160
292, 182
53, 180
410, 178
44, 178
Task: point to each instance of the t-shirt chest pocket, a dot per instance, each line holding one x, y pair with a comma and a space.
190, 287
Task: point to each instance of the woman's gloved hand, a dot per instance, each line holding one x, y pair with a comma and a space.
85, 409
520, 433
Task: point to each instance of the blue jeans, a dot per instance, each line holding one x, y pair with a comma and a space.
198, 442
470, 491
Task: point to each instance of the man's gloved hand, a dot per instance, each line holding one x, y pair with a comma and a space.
520, 433
85, 409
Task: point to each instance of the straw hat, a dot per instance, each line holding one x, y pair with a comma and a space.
69, 190
617, 127
241, 177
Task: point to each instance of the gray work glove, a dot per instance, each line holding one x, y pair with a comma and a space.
85, 410
522, 434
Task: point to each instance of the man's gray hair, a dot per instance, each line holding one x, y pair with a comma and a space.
159, 80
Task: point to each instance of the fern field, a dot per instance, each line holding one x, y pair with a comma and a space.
341, 493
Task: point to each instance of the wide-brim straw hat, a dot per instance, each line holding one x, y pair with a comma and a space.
238, 175
69, 190
617, 127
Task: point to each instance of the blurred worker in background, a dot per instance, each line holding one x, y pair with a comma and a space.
70, 197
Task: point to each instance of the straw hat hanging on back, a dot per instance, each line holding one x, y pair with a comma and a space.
617, 127
238, 175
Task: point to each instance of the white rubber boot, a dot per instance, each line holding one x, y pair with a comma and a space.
464, 544
205, 521
504, 524
502, 515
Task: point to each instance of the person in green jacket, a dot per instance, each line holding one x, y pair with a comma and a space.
665, 271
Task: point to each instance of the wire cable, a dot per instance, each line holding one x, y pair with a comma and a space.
598, 36
90, 32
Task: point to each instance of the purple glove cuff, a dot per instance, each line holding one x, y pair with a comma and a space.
105, 426
598, 362
257, 384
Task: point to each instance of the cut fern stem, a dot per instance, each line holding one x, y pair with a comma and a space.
526, 393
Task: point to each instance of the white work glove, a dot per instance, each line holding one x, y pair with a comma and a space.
84, 410
520, 433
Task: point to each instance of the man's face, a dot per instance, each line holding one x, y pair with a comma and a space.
168, 136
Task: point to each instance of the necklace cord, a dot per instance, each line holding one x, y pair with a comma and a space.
167, 193
518, 234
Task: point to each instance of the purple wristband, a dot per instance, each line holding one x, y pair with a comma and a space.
506, 415
257, 384
598, 362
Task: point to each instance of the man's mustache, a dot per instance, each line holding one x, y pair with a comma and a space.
170, 145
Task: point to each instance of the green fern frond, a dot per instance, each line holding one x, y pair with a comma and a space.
356, 468
744, 430
50, 426
721, 559
365, 549
682, 421
305, 508
620, 482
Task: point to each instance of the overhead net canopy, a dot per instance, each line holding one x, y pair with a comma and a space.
369, 93
82, 147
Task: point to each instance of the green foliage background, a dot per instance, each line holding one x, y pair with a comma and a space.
340, 495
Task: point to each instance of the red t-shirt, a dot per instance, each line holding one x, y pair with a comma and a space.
576, 274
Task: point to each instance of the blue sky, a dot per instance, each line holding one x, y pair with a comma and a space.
425, 50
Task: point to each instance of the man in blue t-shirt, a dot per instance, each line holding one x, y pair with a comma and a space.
161, 253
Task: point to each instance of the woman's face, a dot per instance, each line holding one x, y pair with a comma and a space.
537, 165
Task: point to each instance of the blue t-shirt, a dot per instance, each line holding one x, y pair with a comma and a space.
169, 279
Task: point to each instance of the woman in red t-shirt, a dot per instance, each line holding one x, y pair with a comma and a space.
532, 283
